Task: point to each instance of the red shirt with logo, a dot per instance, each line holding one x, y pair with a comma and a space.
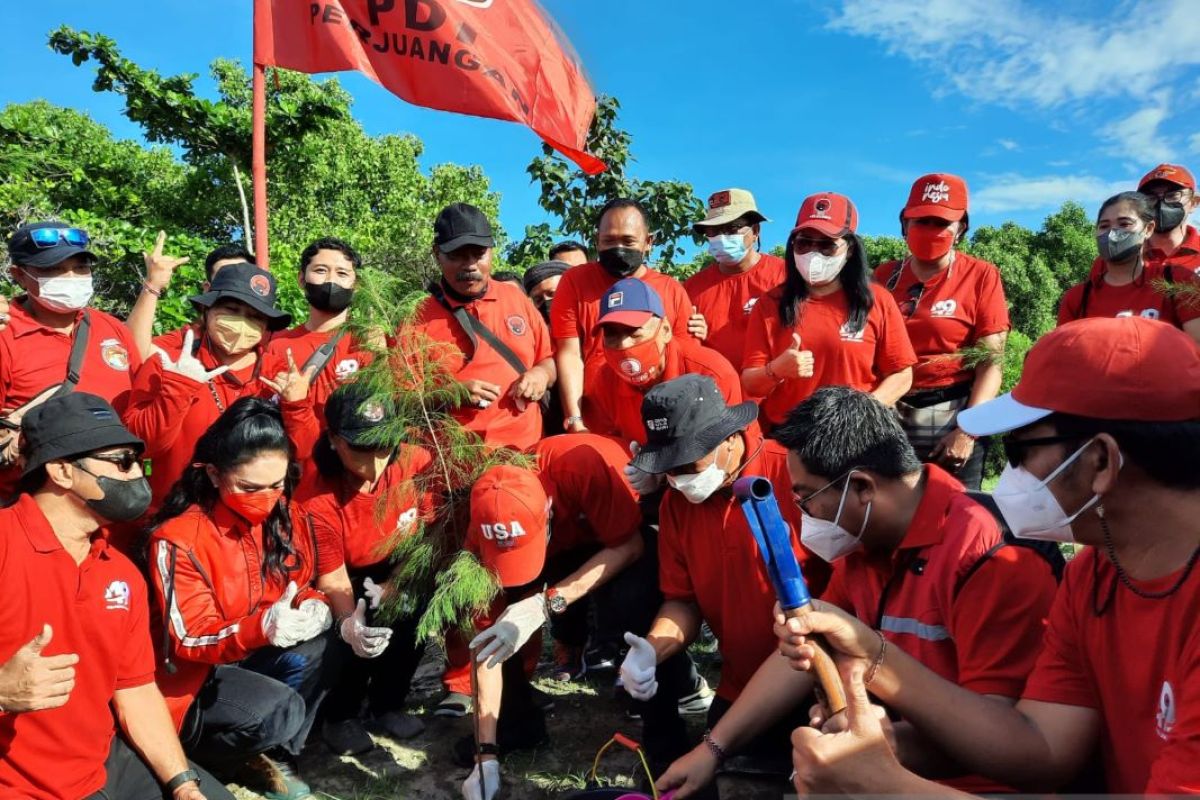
708, 556
1186, 256
576, 306
591, 500
614, 406
727, 300
1137, 664
96, 609
959, 306
346, 361
841, 357
1143, 297
510, 315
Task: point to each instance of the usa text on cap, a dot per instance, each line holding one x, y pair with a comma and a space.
509, 523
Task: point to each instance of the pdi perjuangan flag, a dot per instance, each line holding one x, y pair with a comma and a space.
504, 59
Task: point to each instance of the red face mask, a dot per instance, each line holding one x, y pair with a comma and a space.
254, 507
637, 365
929, 243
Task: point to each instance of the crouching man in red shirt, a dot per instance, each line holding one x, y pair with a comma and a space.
76, 642
1103, 449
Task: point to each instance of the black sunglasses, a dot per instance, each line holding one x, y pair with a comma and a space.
1015, 449
915, 293
125, 460
826, 247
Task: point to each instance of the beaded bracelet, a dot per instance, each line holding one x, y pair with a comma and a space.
878, 662
714, 748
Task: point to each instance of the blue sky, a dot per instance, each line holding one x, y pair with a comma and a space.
1034, 103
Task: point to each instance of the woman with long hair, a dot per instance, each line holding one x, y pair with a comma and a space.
828, 324
231, 566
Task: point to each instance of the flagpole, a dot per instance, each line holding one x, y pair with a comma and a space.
259, 166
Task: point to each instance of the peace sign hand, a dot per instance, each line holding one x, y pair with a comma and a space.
187, 364
293, 383
160, 268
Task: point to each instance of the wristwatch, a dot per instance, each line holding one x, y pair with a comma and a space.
555, 601
187, 776
571, 420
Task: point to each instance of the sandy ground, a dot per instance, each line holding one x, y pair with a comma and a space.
586, 715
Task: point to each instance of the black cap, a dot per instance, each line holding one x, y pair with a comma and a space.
24, 252
71, 425
685, 420
356, 414
461, 224
253, 286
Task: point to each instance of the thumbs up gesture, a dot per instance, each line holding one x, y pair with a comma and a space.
697, 325
793, 362
30, 681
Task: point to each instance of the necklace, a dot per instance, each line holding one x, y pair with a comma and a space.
1129, 584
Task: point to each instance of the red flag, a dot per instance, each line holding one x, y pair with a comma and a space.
503, 59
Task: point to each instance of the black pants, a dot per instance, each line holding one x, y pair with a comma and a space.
128, 778
971, 472
382, 681
265, 703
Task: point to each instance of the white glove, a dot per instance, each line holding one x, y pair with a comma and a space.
319, 617
373, 592
642, 482
639, 667
364, 641
188, 365
511, 631
283, 625
486, 775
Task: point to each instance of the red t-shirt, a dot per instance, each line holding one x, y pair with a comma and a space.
959, 306
510, 315
576, 306
708, 556
347, 359
727, 300
1137, 665
614, 405
1142, 297
96, 609
34, 357
591, 500
1186, 256
859, 359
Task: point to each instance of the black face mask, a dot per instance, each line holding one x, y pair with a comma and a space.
123, 501
622, 261
1168, 216
328, 296
1117, 247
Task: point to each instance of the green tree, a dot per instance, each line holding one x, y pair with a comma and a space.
1067, 242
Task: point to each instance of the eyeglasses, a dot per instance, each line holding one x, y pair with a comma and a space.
1016, 449
731, 229
915, 293
124, 460
804, 501
826, 247
50, 237
1173, 196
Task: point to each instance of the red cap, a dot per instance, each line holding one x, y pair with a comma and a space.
1171, 173
1126, 368
828, 213
938, 195
509, 523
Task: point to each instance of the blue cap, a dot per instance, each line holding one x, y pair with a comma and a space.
630, 302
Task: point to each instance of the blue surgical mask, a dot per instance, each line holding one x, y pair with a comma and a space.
728, 249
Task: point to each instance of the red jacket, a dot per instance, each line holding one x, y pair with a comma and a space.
211, 565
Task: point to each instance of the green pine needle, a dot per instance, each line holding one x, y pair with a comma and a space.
1188, 294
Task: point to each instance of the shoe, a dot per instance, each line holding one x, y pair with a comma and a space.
454, 704
542, 700
569, 664
698, 702
274, 780
399, 725
346, 738
604, 656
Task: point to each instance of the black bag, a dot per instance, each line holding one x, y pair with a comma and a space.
1049, 551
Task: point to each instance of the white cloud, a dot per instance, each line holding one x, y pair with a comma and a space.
1008, 144
1194, 143
1012, 192
1137, 136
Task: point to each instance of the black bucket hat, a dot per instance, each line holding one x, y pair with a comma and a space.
249, 284
356, 414
25, 251
71, 425
685, 420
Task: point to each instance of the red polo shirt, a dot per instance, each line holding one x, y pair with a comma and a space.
1141, 297
576, 306
727, 300
708, 556
1186, 256
959, 306
615, 405
510, 315
34, 357
859, 359
591, 500
96, 609
346, 361
1137, 664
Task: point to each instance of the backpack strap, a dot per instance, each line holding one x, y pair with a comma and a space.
476, 330
1083, 301
1047, 550
322, 355
78, 353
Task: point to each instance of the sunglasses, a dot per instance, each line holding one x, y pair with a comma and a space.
124, 461
50, 237
1015, 450
826, 247
915, 293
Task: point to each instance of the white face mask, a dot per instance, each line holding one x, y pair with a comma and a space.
817, 269
64, 292
1031, 509
829, 540
699, 487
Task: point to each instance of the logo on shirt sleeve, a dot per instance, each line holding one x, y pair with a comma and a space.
516, 324
114, 354
116, 596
